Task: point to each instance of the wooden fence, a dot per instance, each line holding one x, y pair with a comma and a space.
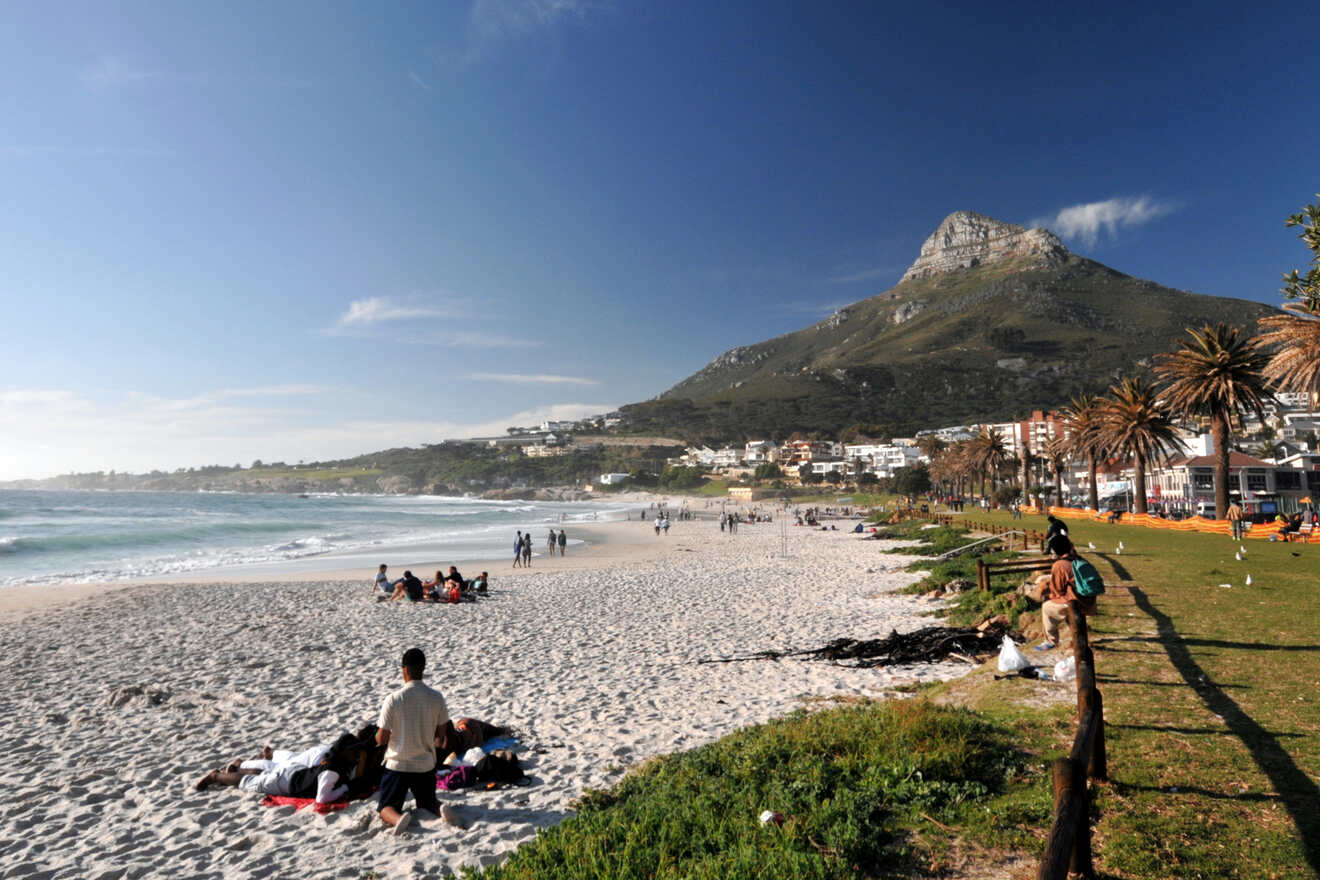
1068, 847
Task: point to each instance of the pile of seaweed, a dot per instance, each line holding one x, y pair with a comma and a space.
930, 644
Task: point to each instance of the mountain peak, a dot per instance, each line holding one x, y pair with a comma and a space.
966, 239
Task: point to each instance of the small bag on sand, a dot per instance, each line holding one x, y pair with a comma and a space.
1010, 658
1066, 670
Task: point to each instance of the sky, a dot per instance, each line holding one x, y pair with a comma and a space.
304, 231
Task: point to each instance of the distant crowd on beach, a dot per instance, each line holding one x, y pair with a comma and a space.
449, 588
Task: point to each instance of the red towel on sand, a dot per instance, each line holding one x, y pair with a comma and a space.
276, 800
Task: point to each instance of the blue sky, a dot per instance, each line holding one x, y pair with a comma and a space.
309, 230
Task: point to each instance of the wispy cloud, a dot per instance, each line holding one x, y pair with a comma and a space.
1086, 221
890, 272
375, 309
166, 404
141, 432
810, 308
471, 339
31, 151
531, 379
111, 72
492, 23
417, 80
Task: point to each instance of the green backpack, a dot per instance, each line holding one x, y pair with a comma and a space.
1087, 582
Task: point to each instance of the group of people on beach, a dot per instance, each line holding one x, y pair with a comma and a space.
449, 588
522, 546
398, 755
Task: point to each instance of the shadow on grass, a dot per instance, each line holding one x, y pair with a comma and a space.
1114, 679
1119, 568
1297, 791
1220, 643
1260, 797
1192, 730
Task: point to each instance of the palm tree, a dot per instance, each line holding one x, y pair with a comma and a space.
1082, 423
1056, 455
1135, 424
1295, 336
989, 454
1217, 372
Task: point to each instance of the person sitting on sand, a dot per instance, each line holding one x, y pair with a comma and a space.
323, 771
409, 587
433, 590
479, 584
383, 582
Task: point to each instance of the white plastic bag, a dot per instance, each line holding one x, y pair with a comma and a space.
1010, 658
1066, 670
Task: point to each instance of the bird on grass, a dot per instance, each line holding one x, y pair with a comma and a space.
1242, 549
1248, 580
1295, 553
1120, 545
1090, 544
1118, 551
1237, 556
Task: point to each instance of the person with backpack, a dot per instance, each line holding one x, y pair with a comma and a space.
1072, 579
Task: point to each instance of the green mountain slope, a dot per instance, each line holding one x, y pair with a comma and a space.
985, 342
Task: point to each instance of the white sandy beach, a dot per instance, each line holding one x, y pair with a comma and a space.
592, 659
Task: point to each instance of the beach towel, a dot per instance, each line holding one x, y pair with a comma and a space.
275, 800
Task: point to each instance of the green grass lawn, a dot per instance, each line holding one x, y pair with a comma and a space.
1211, 701
1213, 728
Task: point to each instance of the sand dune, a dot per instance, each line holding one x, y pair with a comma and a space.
116, 704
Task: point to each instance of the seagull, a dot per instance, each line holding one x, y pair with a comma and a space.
1120, 545
1248, 580
1091, 544
1119, 550
1242, 549
1237, 556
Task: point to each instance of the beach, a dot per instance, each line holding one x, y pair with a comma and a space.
119, 700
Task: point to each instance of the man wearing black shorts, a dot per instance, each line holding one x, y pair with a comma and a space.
411, 719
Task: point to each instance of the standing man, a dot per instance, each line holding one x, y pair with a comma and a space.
550, 542
1234, 515
517, 549
411, 719
527, 550
563, 542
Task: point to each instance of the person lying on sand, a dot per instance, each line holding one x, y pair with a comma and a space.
464, 734
326, 771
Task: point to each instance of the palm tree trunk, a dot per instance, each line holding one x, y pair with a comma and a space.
1139, 485
1219, 429
1095, 493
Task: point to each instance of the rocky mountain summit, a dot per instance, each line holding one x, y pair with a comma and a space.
992, 319
966, 239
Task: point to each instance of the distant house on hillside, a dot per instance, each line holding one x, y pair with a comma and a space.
612, 479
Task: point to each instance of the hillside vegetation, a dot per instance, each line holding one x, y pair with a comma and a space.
982, 343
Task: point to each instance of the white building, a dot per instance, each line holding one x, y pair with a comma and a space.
612, 479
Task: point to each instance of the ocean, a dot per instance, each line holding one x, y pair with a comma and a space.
49, 537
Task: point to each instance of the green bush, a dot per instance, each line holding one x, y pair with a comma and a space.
847, 781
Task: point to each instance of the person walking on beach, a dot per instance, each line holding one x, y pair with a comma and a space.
411, 720
563, 542
550, 542
527, 550
517, 549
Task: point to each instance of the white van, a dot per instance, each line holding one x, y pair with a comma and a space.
1205, 509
